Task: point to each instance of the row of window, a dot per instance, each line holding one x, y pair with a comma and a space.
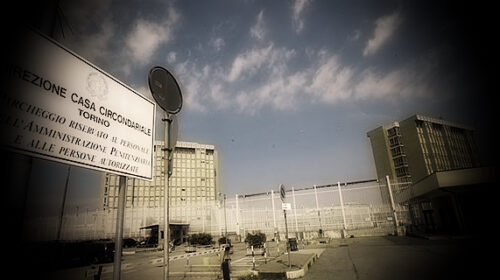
158, 191
400, 161
192, 182
395, 141
191, 164
393, 131
187, 153
444, 148
397, 151
156, 201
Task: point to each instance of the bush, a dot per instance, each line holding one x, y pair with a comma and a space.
256, 240
222, 240
200, 239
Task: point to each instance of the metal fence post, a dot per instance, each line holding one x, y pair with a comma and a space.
295, 214
342, 205
393, 206
319, 213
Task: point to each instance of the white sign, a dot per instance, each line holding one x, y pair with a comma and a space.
286, 206
59, 106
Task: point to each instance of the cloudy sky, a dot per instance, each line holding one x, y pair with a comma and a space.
286, 90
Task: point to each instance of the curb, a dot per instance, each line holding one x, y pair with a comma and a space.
294, 274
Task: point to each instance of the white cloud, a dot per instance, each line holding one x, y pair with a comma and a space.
266, 78
193, 81
415, 79
378, 85
384, 29
281, 92
217, 43
171, 57
257, 31
221, 87
146, 36
332, 81
297, 9
249, 62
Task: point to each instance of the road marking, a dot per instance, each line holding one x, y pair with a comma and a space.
248, 260
159, 261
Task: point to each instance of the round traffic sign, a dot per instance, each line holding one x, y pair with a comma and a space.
165, 89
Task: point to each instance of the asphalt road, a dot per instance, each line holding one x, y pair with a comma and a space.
355, 258
403, 258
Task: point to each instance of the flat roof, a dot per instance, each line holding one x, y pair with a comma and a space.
443, 180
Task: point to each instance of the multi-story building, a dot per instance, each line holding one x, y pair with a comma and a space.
194, 189
389, 154
434, 166
418, 146
434, 145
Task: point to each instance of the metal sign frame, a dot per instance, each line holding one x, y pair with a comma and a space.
54, 81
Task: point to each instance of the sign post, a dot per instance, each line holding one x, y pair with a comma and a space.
286, 206
167, 93
117, 264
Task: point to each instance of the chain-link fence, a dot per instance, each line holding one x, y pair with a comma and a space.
357, 209
352, 208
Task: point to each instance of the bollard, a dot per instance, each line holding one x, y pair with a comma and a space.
253, 259
265, 252
278, 246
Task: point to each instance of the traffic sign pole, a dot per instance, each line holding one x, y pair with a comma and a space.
166, 200
167, 93
283, 194
287, 241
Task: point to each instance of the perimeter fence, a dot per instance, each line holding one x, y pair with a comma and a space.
359, 208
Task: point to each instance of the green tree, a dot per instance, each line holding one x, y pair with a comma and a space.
256, 240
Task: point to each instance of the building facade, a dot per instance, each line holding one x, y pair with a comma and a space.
418, 146
193, 186
389, 155
434, 168
435, 145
